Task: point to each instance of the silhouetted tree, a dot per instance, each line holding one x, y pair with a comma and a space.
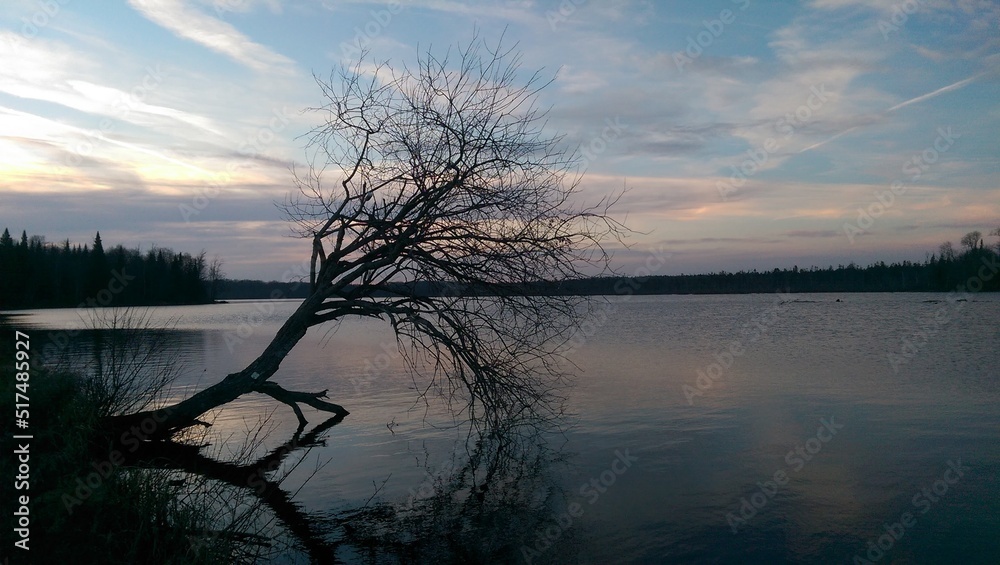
6, 262
946, 251
441, 173
215, 276
971, 240
98, 271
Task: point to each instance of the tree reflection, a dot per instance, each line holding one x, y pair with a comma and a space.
495, 495
251, 489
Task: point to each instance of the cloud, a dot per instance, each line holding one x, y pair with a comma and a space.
219, 36
139, 124
684, 129
514, 11
813, 233
54, 72
878, 5
243, 6
118, 103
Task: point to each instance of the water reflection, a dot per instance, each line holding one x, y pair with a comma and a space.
696, 462
256, 478
494, 497
495, 500
490, 503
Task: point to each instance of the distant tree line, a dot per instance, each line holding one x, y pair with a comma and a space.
36, 274
975, 267
230, 289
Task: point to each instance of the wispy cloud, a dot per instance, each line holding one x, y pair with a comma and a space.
217, 35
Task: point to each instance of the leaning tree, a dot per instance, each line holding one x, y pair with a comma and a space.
441, 174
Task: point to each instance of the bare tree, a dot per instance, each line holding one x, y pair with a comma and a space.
972, 239
439, 173
946, 251
131, 369
215, 275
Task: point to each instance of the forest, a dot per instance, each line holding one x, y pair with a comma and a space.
975, 268
972, 268
37, 274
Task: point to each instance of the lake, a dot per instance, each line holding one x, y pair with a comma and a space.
806, 428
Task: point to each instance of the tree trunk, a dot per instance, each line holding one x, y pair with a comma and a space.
162, 423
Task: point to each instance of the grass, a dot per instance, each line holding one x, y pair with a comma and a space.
84, 508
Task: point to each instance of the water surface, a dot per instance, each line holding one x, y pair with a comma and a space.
854, 407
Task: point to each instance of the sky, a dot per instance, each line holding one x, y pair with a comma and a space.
748, 134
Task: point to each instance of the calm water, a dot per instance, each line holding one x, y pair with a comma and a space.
809, 442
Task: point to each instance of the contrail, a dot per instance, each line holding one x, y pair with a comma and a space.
921, 98
828, 140
938, 92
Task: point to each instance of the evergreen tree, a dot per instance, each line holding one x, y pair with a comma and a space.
98, 271
6, 262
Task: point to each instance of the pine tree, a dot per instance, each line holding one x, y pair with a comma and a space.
99, 271
6, 266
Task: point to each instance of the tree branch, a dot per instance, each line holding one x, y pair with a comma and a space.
293, 399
